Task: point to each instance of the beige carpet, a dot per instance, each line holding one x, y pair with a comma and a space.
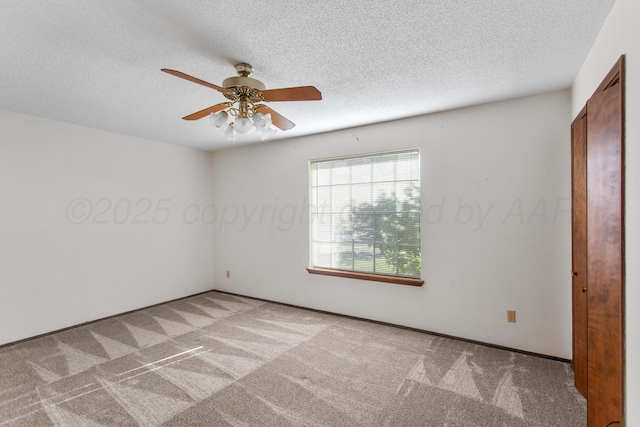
220, 360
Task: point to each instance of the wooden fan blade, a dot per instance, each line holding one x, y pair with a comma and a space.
204, 113
278, 120
301, 93
194, 79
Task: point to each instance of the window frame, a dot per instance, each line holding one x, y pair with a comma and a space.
352, 274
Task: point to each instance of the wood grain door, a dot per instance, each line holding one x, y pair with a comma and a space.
579, 248
605, 254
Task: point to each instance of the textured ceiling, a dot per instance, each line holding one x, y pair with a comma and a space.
97, 63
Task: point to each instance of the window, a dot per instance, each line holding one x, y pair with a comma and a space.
366, 217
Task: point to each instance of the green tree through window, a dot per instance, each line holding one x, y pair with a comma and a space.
389, 228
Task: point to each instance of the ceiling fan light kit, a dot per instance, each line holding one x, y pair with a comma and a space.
247, 95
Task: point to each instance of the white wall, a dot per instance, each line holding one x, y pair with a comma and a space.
620, 35
496, 223
70, 249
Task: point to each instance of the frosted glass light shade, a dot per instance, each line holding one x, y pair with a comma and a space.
230, 133
268, 133
262, 121
243, 125
219, 120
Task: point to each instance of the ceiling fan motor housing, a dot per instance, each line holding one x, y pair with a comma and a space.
243, 81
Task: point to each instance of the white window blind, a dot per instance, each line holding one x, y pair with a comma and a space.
366, 215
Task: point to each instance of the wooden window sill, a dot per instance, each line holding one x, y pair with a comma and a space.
367, 276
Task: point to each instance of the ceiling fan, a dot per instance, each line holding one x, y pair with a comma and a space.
246, 96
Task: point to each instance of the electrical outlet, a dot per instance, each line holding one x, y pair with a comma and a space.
511, 316
228, 274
